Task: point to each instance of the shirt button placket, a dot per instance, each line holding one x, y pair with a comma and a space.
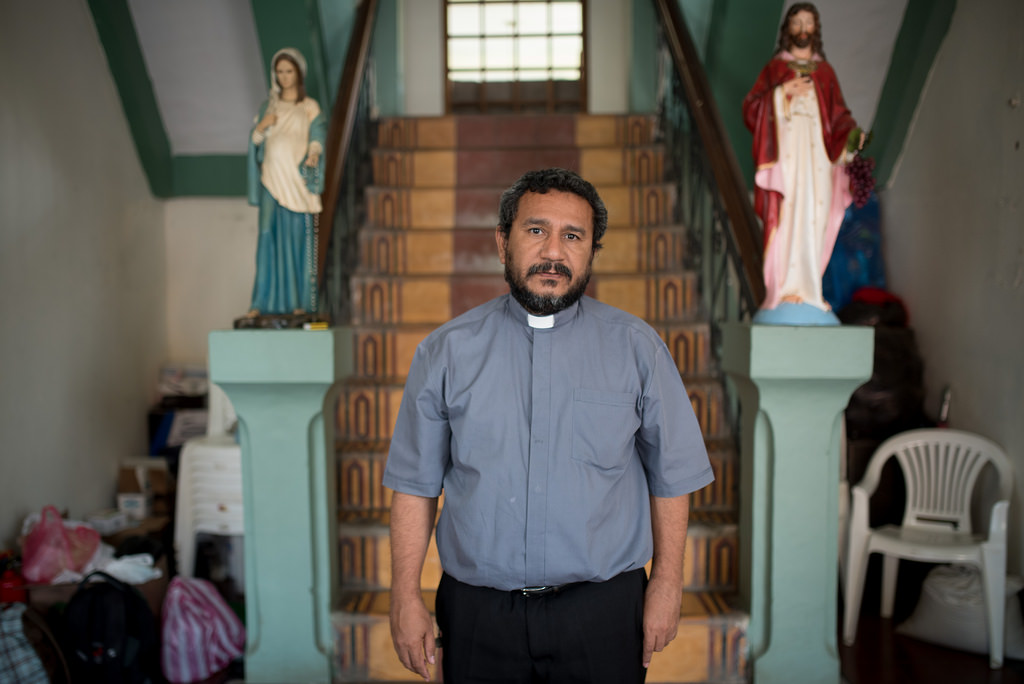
540, 421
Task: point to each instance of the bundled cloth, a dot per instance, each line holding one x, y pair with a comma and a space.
201, 634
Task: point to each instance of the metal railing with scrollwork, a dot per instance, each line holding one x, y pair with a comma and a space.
351, 135
712, 201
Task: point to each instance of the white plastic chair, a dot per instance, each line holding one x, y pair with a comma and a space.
209, 497
940, 468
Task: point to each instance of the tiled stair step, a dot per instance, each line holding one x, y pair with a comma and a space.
651, 204
364, 553
657, 298
433, 251
384, 352
366, 412
495, 166
491, 131
709, 647
361, 495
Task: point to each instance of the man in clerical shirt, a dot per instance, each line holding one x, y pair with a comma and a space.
563, 439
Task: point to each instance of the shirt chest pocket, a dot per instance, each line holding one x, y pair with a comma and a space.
604, 426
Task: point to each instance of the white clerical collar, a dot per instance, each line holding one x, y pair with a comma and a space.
542, 322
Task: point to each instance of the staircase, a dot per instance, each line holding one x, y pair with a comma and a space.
426, 254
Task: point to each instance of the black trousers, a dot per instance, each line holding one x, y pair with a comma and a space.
585, 633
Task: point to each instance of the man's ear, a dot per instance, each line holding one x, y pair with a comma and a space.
502, 242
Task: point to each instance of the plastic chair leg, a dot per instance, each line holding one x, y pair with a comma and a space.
890, 572
993, 581
856, 568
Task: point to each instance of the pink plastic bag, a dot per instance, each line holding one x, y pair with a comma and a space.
201, 634
50, 548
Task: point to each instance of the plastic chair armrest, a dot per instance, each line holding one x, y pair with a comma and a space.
997, 522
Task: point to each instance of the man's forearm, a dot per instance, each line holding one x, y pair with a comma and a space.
412, 520
669, 519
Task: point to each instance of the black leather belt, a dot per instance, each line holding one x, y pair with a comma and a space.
539, 591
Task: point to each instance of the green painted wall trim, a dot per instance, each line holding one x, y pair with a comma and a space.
280, 24
741, 40
117, 35
925, 25
386, 53
336, 19
643, 70
209, 175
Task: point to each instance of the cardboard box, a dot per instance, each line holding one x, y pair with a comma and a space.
154, 526
107, 521
133, 506
149, 476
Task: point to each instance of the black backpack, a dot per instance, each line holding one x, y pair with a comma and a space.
110, 633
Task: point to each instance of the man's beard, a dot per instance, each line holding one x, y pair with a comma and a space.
801, 40
544, 305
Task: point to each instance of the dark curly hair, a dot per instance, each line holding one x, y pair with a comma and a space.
541, 181
784, 38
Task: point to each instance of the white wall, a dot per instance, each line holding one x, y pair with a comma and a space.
609, 34
421, 32
81, 270
954, 230
211, 263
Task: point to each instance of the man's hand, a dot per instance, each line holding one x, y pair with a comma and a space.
664, 593
661, 616
412, 632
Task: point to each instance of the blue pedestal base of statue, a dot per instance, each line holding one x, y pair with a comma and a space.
281, 385
790, 313
793, 385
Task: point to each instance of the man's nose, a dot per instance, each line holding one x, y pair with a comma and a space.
553, 247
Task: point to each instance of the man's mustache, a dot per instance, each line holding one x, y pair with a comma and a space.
549, 267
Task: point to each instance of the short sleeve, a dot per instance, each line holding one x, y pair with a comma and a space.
420, 445
669, 441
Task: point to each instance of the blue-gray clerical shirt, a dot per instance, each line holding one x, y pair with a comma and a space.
547, 442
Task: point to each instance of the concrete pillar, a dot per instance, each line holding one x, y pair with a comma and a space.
281, 383
793, 384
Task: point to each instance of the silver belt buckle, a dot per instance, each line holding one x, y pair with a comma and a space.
538, 591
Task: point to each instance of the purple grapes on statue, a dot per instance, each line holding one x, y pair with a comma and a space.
861, 180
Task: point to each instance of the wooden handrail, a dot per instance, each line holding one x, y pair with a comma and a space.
722, 157
343, 116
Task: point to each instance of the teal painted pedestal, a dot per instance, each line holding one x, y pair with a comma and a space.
281, 385
793, 385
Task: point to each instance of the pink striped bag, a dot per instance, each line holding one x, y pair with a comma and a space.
201, 634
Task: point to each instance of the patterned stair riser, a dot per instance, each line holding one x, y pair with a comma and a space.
396, 252
401, 208
362, 495
367, 413
386, 351
364, 558
497, 168
377, 300
492, 132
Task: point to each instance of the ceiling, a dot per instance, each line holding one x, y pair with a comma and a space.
204, 62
